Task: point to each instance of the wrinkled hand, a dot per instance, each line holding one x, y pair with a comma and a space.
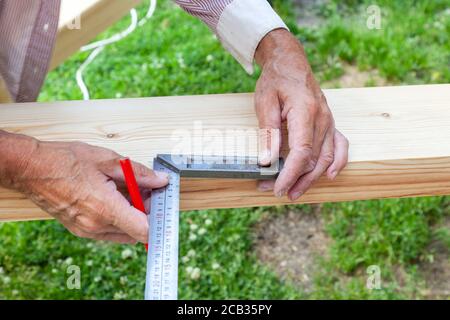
287, 91
78, 184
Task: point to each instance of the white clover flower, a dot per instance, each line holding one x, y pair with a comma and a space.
194, 227
201, 231
185, 259
189, 269
123, 280
68, 261
119, 295
89, 263
192, 237
118, 95
1, 270
195, 274
54, 270
208, 222
6, 280
127, 253
215, 266
15, 292
209, 58
97, 279
157, 63
191, 253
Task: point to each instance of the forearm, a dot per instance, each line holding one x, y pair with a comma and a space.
16, 150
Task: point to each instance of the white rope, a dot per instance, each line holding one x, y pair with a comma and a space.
98, 46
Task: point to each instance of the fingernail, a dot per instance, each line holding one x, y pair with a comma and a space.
162, 175
264, 158
280, 193
296, 195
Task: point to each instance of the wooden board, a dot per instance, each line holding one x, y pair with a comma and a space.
399, 141
95, 17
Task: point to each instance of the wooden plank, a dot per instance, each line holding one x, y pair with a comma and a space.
4, 93
399, 141
95, 17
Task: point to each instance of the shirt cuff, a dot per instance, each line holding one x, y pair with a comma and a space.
243, 24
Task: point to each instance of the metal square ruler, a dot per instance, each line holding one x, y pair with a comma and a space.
162, 260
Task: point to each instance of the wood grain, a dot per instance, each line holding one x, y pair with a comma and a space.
399, 141
95, 17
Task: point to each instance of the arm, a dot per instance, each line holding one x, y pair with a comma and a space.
78, 185
286, 92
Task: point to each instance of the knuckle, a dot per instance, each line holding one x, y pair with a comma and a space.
327, 157
72, 213
100, 209
90, 226
311, 165
140, 170
305, 154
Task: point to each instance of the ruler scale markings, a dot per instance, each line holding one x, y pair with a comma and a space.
162, 259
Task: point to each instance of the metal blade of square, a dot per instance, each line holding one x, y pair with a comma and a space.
162, 259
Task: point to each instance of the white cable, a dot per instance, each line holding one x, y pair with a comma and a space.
79, 74
151, 10
98, 46
117, 36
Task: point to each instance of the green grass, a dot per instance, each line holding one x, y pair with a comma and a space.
175, 54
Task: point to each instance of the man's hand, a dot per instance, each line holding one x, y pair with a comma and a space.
79, 185
287, 91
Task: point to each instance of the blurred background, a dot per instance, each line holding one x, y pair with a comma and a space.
299, 251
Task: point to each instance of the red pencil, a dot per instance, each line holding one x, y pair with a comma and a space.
133, 188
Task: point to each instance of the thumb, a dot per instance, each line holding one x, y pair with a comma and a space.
268, 112
145, 177
128, 219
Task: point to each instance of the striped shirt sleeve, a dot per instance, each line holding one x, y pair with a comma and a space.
239, 24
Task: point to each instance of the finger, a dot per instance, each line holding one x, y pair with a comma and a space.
322, 126
299, 159
116, 237
325, 159
128, 219
89, 225
268, 111
269, 141
145, 177
341, 146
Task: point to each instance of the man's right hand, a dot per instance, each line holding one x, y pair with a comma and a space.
79, 185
